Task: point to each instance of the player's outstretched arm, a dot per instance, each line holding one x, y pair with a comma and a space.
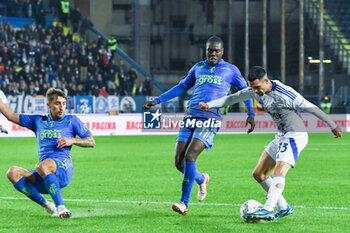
311, 108
8, 113
82, 142
250, 120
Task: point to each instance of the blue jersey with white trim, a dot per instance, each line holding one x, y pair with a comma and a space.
283, 103
48, 132
210, 83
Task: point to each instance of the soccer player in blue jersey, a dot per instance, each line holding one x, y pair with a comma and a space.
211, 79
56, 133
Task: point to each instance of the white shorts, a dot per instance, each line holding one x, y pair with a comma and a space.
287, 147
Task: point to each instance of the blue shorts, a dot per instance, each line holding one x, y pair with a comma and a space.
64, 174
205, 134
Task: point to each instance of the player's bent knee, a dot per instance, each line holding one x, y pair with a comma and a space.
42, 169
13, 174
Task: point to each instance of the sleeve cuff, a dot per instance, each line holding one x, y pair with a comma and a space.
157, 100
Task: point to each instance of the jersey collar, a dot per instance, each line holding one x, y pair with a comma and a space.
273, 85
50, 119
219, 63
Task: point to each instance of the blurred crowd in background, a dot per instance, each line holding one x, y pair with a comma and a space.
35, 58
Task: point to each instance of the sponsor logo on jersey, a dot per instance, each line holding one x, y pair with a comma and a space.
50, 133
215, 79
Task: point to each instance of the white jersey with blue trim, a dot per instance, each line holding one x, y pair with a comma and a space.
3, 97
283, 103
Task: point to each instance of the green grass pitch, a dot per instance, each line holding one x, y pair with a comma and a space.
127, 184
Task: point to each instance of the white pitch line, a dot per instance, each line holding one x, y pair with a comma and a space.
169, 203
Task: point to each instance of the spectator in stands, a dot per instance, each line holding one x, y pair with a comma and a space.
122, 80
75, 19
132, 76
122, 65
326, 105
85, 25
95, 91
55, 7
64, 13
40, 18
80, 90
89, 84
31, 90
128, 86
148, 85
83, 62
140, 89
112, 45
103, 92
5, 88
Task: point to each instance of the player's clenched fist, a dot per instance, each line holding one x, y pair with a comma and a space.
149, 104
204, 106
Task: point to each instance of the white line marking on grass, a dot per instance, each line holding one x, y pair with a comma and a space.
166, 202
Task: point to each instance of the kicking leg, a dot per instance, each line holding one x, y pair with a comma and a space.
23, 181
277, 185
47, 170
261, 174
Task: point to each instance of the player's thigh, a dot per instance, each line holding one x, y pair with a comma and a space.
290, 147
14, 174
195, 147
206, 135
64, 171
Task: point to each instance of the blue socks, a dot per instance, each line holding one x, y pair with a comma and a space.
190, 175
53, 188
199, 176
26, 187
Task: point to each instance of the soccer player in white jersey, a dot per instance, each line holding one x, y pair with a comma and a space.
4, 99
283, 103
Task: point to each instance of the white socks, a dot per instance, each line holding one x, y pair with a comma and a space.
274, 194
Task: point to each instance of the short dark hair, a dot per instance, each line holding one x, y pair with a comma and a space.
52, 93
256, 72
215, 39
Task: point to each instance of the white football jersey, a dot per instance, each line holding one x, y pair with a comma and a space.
3, 97
283, 103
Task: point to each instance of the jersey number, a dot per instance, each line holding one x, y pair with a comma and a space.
284, 147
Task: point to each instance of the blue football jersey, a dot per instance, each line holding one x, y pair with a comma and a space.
48, 132
210, 83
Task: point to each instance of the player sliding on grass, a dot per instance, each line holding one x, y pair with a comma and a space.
55, 135
283, 104
211, 79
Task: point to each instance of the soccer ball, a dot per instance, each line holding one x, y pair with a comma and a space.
249, 207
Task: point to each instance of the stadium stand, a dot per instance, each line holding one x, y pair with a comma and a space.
34, 58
